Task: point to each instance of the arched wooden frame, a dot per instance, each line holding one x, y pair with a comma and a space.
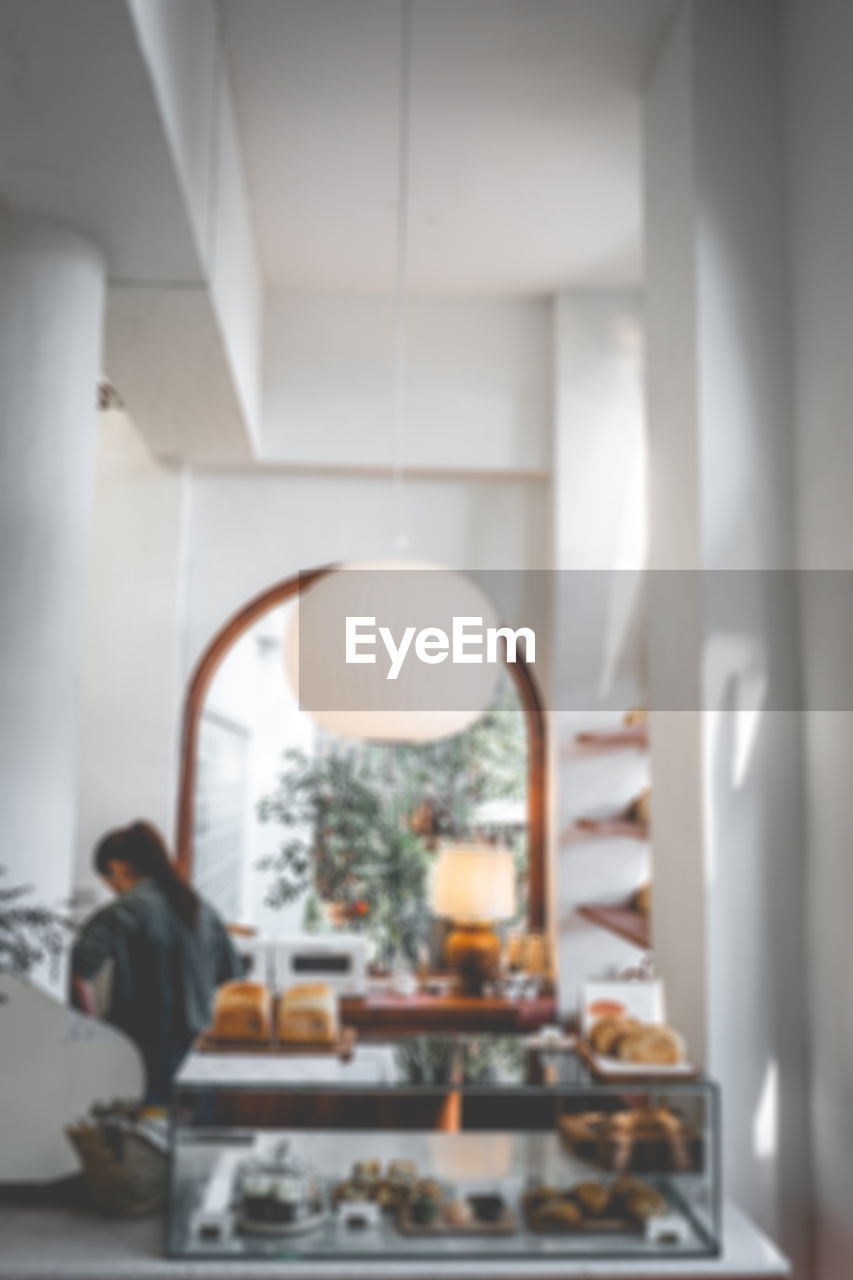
231, 632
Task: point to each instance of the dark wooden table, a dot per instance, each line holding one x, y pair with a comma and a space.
384, 1014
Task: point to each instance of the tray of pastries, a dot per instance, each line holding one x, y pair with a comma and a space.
651, 1138
388, 1186
592, 1206
431, 1211
420, 1206
621, 1047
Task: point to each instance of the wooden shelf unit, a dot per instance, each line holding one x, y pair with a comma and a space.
630, 737
627, 923
616, 827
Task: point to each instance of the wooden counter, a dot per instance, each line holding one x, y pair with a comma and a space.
385, 1014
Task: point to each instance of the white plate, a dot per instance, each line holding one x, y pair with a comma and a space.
616, 1067
281, 1228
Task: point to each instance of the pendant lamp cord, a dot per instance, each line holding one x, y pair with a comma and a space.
401, 276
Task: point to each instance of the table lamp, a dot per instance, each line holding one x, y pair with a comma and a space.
473, 887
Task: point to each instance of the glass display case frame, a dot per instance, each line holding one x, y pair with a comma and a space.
539, 1160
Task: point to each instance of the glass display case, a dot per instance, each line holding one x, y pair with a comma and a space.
473, 1147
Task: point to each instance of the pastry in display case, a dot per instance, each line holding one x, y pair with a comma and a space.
495, 1151
277, 1195
418, 1205
625, 1205
634, 1139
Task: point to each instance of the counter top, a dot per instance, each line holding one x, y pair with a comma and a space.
57, 1244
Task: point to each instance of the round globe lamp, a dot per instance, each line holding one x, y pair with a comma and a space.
424, 701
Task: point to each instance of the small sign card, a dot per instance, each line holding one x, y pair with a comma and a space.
642, 999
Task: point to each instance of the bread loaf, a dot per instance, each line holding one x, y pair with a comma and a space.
607, 1032
658, 1046
308, 1012
243, 1011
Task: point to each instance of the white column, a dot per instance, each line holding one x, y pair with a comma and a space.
728, 867
51, 306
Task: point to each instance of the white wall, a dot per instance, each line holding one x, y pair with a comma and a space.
599, 524
236, 288
756, 873
185, 58
179, 43
820, 116
679, 922
251, 530
127, 758
719, 349
674, 524
479, 382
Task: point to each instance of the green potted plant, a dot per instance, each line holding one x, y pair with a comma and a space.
30, 934
361, 823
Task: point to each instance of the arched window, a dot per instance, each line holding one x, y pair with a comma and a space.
278, 816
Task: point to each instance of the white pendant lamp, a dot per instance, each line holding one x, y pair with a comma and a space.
426, 700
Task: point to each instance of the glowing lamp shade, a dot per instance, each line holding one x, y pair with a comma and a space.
356, 700
475, 883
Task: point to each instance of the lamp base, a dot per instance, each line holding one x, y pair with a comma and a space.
472, 952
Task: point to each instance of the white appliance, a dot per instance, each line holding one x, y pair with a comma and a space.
338, 959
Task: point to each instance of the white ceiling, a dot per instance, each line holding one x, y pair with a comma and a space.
525, 140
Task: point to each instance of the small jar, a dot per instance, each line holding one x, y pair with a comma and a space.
278, 1191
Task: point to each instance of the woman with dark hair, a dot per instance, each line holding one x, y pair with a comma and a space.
169, 951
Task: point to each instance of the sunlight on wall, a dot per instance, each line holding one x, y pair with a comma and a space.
736, 685
711, 729
752, 695
633, 532
626, 610
765, 1127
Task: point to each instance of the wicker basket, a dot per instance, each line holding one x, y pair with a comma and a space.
126, 1174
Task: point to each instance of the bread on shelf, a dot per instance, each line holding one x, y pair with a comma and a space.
243, 1011
630, 1040
308, 1013
640, 808
642, 899
657, 1139
654, 1045
593, 1205
606, 1032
